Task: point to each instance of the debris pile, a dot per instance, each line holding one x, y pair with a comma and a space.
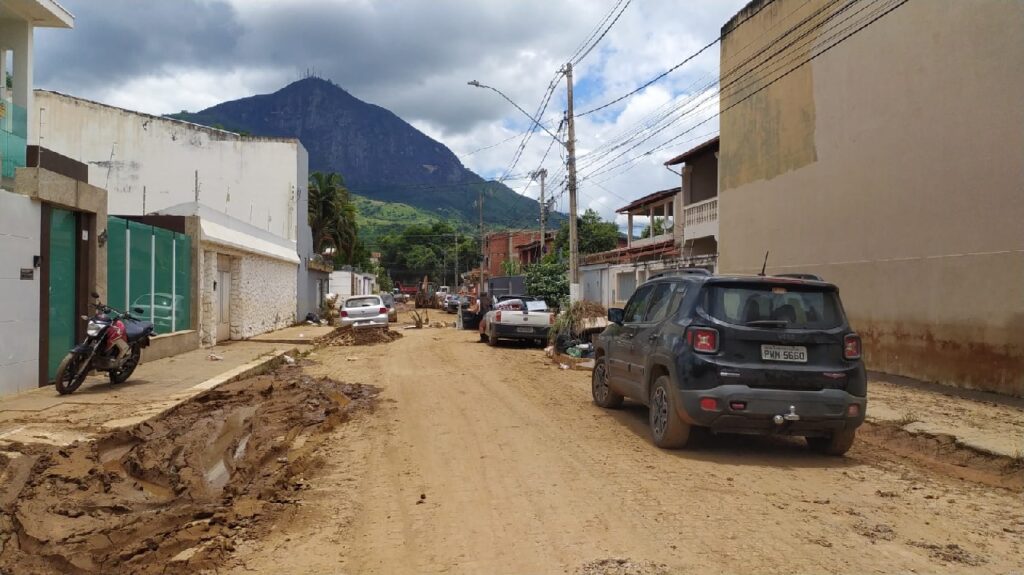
176, 493
347, 336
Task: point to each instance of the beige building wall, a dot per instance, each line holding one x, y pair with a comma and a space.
893, 166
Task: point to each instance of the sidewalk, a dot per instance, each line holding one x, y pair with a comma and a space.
43, 416
985, 422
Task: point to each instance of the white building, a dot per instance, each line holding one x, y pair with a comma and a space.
348, 282
249, 194
25, 246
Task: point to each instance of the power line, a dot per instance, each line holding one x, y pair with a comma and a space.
603, 34
870, 20
700, 101
673, 68
593, 33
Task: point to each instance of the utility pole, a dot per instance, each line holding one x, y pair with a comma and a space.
455, 284
483, 249
570, 146
542, 173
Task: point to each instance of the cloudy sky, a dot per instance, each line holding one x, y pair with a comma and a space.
414, 57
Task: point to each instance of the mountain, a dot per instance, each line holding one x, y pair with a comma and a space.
380, 156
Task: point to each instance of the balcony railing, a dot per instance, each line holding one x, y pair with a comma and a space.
13, 137
701, 219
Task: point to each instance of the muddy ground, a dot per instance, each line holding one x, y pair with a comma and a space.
175, 494
476, 459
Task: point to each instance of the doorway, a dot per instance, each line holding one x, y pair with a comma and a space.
223, 290
61, 286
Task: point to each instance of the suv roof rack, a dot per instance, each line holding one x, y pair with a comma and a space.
813, 277
681, 271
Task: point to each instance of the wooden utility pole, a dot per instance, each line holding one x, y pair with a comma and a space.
542, 173
483, 249
570, 146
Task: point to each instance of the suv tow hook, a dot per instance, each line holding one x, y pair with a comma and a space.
791, 416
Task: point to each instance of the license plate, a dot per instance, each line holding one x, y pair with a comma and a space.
793, 353
524, 330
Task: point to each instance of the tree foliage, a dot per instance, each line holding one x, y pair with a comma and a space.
548, 279
658, 226
428, 249
332, 217
595, 235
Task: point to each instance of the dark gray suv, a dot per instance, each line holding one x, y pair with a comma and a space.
753, 355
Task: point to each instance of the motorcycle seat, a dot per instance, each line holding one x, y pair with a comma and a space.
135, 329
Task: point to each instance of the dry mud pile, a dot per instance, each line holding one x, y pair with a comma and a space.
362, 336
172, 494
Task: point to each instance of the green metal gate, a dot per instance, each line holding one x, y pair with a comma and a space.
62, 288
150, 268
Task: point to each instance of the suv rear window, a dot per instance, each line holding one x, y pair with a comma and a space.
775, 306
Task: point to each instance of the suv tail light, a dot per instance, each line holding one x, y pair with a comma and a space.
703, 339
497, 316
851, 346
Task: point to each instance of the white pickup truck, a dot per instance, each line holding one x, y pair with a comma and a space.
517, 317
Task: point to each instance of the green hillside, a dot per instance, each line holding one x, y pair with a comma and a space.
377, 218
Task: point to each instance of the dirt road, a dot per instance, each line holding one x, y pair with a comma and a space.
492, 460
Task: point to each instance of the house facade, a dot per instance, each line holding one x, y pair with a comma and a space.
892, 165
51, 255
680, 230
248, 194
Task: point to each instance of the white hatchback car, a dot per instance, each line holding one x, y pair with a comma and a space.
364, 311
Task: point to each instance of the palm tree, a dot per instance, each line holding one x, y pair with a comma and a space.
332, 215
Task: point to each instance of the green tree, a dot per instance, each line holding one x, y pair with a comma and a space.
595, 235
428, 249
657, 226
548, 279
511, 267
332, 216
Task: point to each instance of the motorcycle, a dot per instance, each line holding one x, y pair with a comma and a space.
113, 343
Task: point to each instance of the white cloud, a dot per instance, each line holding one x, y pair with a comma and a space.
414, 58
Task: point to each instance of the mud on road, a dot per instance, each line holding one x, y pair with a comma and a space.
174, 494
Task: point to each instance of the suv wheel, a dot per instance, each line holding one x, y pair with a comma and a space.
603, 395
838, 444
667, 429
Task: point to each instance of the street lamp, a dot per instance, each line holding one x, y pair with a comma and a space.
570, 147
536, 122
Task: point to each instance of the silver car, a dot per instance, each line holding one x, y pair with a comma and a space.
364, 311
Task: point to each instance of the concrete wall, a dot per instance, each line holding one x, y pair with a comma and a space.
19, 299
306, 300
262, 294
892, 165
148, 163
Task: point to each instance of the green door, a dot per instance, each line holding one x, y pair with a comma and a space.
62, 288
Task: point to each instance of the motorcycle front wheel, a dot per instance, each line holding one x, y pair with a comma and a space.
68, 377
130, 363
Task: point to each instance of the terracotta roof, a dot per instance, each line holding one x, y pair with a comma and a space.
687, 155
648, 199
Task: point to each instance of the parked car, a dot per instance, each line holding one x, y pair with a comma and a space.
451, 303
389, 302
517, 317
454, 302
163, 307
750, 355
363, 311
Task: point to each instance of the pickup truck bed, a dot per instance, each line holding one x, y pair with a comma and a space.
531, 321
